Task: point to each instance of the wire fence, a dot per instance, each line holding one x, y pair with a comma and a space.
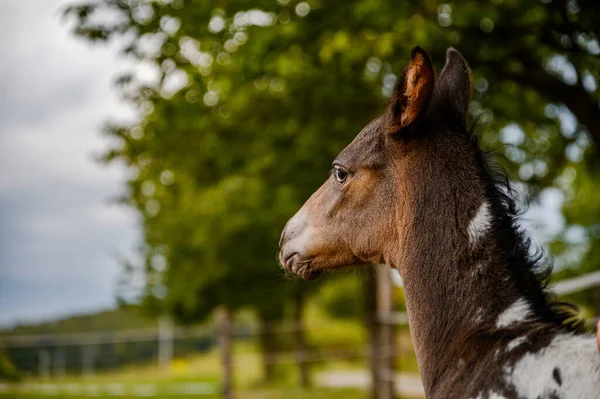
50, 349
53, 359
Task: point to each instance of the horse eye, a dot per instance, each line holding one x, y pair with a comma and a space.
340, 174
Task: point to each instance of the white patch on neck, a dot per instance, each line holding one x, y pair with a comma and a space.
575, 361
515, 313
480, 224
490, 395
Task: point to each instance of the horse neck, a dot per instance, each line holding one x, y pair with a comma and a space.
456, 279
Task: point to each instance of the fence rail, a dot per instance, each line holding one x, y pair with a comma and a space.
577, 283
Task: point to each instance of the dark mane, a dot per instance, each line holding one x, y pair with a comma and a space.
528, 265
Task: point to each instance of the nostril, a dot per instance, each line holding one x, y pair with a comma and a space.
289, 256
284, 259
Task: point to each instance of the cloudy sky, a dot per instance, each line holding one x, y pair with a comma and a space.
60, 235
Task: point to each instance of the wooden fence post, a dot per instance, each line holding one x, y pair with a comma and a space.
386, 348
379, 302
165, 342
224, 320
372, 326
301, 352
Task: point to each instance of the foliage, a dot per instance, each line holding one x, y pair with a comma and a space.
129, 317
106, 324
342, 298
8, 371
579, 245
250, 104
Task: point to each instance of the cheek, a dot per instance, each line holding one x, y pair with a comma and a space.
371, 220
358, 204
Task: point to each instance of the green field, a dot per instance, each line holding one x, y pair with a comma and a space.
195, 376
164, 392
199, 374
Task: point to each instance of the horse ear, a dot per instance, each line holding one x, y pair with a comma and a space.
413, 90
453, 88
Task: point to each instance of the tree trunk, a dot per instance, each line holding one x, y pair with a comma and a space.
225, 339
268, 347
302, 350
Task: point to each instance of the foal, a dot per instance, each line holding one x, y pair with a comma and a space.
414, 191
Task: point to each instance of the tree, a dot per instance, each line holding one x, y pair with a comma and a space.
579, 245
251, 104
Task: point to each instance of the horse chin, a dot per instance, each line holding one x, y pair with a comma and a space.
300, 267
309, 268
307, 273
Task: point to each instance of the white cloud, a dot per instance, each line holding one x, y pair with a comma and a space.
59, 234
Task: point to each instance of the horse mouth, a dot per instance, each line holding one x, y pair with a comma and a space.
300, 267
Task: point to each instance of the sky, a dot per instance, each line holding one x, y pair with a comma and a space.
61, 234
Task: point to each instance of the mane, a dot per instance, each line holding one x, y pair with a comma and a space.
528, 264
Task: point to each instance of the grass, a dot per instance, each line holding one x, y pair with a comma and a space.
195, 372
186, 375
287, 393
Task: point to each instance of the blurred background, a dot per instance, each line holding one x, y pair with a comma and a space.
151, 152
